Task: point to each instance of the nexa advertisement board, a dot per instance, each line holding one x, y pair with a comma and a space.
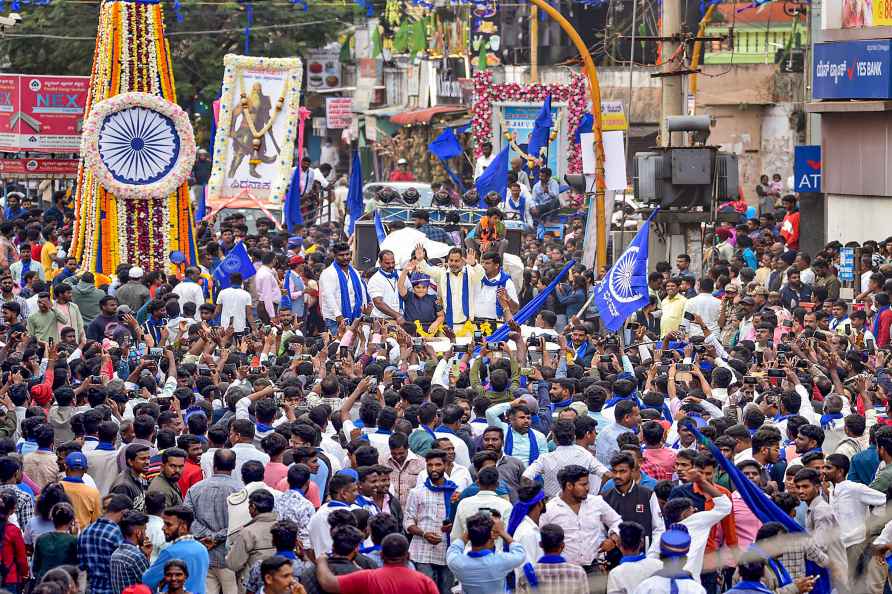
853, 70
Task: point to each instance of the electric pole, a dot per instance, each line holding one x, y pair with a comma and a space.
672, 102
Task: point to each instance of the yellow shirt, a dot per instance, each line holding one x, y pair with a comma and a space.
85, 501
673, 311
47, 259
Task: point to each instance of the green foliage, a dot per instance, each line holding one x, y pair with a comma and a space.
197, 56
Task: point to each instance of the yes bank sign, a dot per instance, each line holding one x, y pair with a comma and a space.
853, 70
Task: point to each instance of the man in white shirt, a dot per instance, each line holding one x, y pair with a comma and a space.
383, 290
188, 290
674, 575
486, 498
517, 203
241, 435
338, 281
590, 525
706, 306
495, 286
484, 160
698, 523
853, 505
525, 530
461, 272
635, 566
549, 465
343, 491
234, 305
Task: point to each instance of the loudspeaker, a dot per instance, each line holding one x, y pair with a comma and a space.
365, 245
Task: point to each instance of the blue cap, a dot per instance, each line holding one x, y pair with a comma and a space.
295, 241
76, 461
675, 542
419, 278
177, 257
349, 472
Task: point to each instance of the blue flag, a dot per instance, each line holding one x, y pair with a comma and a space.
623, 291
585, 126
354, 193
444, 147
201, 206
237, 260
379, 227
763, 507
292, 215
538, 138
529, 311
494, 178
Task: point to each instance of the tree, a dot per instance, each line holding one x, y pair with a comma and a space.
59, 38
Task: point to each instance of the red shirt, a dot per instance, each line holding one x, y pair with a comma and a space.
790, 229
401, 176
13, 556
883, 332
659, 463
390, 579
191, 475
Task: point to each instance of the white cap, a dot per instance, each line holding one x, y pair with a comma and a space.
136, 273
401, 162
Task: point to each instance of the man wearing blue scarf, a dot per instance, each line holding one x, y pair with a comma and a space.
383, 289
455, 283
750, 570
342, 292
673, 578
583, 350
483, 570
521, 441
496, 289
552, 572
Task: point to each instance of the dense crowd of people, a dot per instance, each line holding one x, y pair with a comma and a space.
274, 420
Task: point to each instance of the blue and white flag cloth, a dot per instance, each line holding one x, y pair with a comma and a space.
237, 260
623, 290
354, 193
379, 228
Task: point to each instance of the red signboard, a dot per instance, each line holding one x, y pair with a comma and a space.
42, 113
38, 167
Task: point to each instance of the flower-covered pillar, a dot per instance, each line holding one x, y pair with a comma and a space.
132, 203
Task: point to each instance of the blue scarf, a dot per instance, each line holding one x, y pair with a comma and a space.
826, 419
444, 429
263, 427
562, 404
287, 555
530, 573
478, 554
465, 297
520, 511
499, 283
350, 312
106, 446
371, 549
551, 559
285, 301
361, 501
336, 503
534, 444
581, 351
520, 207
783, 576
26, 267
383, 432
429, 431
447, 489
73, 479
876, 320
754, 586
392, 275
631, 558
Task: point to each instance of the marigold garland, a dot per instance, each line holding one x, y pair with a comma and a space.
131, 55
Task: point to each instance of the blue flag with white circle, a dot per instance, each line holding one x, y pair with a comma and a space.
623, 290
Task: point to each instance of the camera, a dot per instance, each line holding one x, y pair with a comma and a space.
155, 353
682, 367
689, 316
750, 380
605, 359
417, 345
778, 373
787, 323
460, 348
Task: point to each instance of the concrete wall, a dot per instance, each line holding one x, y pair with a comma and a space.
857, 218
738, 130
779, 139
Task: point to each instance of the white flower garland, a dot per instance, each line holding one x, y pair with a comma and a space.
123, 234
292, 68
166, 185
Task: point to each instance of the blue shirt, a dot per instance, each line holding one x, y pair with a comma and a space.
192, 553
486, 574
95, 546
605, 443
542, 194
864, 466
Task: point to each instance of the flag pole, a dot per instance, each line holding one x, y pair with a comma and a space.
595, 92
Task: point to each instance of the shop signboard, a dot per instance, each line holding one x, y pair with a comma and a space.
42, 113
852, 70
